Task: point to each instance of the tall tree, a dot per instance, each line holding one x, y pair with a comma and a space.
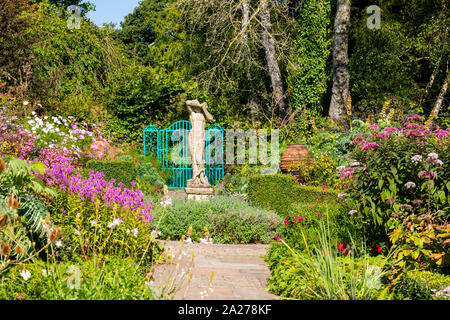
268, 42
341, 77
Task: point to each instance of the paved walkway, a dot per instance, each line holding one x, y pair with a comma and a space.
239, 271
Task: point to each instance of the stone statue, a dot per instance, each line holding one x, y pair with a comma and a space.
198, 186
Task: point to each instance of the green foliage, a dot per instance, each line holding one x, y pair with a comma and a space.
103, 278
138, 93
232, 184
311, 50
399, 58
419, 285
320, 271
19, 179
321, 172
279, 192
387, 181
120, 171
422, 242
88, 229
228, 219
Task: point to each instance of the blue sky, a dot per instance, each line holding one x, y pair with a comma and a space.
111, 11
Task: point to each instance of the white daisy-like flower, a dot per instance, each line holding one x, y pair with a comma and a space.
25, 103
58, 244
26, 274
351, 212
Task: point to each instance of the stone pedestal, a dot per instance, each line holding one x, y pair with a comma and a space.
198, 193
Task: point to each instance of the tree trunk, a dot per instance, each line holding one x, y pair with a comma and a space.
341, 76
245, 20
438, 104
430, 83
271, 59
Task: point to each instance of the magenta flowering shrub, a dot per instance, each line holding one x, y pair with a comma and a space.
98, 217
398, 172
64, 178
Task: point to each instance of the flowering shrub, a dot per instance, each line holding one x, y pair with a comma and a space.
396, 170
67, 132
317, 173
98, 216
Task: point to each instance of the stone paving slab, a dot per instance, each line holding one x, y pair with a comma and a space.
240, 271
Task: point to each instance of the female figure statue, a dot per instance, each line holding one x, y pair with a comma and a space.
197, 115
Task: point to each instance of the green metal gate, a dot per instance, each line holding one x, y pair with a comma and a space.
171, 148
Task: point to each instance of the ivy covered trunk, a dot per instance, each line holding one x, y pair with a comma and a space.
341, 76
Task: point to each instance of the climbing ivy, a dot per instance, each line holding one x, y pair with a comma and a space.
308, 76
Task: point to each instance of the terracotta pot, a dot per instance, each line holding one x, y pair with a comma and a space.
295, 153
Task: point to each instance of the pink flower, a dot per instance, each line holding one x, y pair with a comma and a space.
414, 117
319, 214
277, 238
373, 127
441, 134
367, 145
286, 222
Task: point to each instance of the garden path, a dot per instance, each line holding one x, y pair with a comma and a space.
240, 272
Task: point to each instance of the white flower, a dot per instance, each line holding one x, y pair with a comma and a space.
77, 232
410, 185
416, 159
148, 283
45, 273
93, 222
58, 244
134, 231
26, 274
340, 168
433, 156
33, 113
206, 241
166, 203
25, 103
188, 240
156, 233
352, 212
116, 222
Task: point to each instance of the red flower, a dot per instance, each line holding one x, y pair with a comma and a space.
277, 238
286, 222
341, 246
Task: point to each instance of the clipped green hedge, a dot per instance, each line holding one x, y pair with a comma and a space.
281, 192
119, 170
228, 219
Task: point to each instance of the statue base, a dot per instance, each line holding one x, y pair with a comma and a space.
198, 193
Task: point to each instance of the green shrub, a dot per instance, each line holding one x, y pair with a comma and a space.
280, 192
321, 271
99, 279
420, 285
228, 219
120, 171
